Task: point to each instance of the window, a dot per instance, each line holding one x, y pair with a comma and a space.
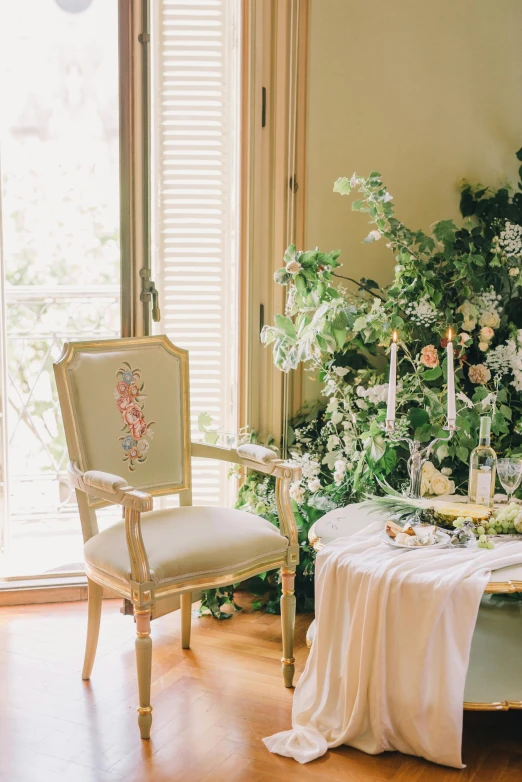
196, 170
60, 269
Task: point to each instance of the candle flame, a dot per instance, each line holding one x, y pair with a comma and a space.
395, 336
450, 335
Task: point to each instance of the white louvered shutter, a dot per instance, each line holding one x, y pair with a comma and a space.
196, 165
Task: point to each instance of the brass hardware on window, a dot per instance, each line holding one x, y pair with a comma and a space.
149, 292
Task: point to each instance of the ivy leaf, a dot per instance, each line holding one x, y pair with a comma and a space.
506, 412
357, 206
418, 417
432, 374
462, 453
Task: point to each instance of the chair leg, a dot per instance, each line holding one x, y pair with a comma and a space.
287, 625
186, 618
144, 667
95, 593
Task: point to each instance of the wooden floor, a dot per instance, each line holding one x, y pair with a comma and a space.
212, 706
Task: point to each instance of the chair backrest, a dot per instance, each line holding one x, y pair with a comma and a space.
125, 407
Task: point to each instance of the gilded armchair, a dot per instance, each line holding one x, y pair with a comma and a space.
125, 406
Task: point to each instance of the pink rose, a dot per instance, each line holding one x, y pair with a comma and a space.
131, 414
429, 356
124, 401
479, 374
138, 429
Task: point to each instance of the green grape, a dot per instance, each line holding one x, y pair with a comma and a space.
498, 527
491, 544
505, 525
480, 531
483, 539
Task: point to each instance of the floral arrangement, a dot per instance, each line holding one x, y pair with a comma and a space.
130, 402
467, 278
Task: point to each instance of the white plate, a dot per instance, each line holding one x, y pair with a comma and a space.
443, 540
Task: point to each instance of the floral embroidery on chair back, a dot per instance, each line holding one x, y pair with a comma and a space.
125, 409
130, 400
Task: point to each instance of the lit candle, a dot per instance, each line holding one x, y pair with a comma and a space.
451, 383
392, 387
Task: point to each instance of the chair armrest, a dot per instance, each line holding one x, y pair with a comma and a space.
284, 472
108, 487
261, 460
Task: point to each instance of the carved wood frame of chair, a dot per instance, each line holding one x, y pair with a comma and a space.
96, 486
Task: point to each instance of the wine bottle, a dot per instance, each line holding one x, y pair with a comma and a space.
482, 467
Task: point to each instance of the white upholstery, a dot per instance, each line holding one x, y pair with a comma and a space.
104, 481
256, 453
190, 542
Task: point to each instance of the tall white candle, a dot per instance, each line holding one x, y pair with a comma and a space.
450, 382
392, 387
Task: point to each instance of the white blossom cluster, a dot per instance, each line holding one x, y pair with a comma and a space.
422, 312
508, 358
489, 302
374, 394
510, 240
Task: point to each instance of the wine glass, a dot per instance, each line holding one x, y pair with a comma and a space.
509, 474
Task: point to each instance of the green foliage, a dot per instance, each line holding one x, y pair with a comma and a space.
467, 278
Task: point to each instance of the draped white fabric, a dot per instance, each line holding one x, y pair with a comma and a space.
388, 665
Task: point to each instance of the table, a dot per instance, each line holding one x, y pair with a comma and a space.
494, 681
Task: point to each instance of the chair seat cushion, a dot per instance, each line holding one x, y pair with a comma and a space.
190, 542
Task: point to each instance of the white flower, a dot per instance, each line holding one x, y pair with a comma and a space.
340, 466
470, 314
361, 391
341, 371
486, 334
387, 197
337, 417
360, 404
514, 272
511, 240
338, 477
333, 442
503, 358
425, 487
451, 489
309, 466
422, 312
353, 180
491, 319
428, 469
439, 484
314, 485
292, 267
483, 346
296, 493
374, 394
446, 471
373, 236
463, 338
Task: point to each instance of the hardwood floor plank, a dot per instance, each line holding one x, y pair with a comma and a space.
212, 706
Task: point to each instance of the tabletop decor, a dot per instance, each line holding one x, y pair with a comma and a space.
342, 329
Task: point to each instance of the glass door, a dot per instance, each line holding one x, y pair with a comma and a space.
60, 269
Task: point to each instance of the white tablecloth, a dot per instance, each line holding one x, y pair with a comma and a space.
388, 665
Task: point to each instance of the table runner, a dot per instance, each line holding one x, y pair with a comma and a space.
388, 665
